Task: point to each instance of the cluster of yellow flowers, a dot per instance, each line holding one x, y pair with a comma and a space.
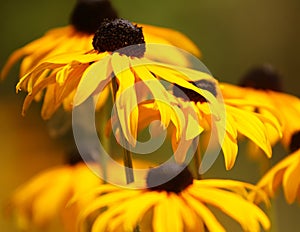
148, 74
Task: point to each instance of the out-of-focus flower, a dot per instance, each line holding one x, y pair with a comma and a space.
43, 198
180, 204
285, 173
262, 85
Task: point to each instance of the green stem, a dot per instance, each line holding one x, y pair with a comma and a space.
197, 161
127, 156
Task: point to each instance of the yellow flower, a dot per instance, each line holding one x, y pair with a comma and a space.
193, 112
85, 19
285, 173
44, 197
262, 85
60, 75
85, 73
180, 204
234, 119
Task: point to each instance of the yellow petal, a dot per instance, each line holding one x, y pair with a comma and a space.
76, 56
174, 216
47, 204
96, 76
105, 200
190, 220
193, 128
137, 207
159, 212
249, 125
204, 213
29, 98
49, 106
160, 95
291, 181
247, 214
125, 97
230, 150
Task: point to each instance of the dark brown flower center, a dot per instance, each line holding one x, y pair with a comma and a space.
178, 178
119, 35
263, 77
88, 15
73, 157
295, 142
190, 95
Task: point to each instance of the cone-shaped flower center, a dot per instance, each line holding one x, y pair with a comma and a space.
184, 93
88, 15
263, 77
295, 142
113, 35
178, 178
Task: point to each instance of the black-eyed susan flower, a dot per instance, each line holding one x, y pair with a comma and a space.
237, 119
84, 21
179, 204
285, 173
118, 51
42, 199
262, 86
194, 108
60, 75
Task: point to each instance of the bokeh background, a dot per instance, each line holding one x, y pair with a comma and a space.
233, 36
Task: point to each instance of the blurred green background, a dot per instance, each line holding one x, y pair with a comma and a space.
233, 36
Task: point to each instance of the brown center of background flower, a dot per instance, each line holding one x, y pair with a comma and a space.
263, 77
295, 142
88, 15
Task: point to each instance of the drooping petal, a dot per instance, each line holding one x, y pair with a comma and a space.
249, 125
291, 181
230, 150
95, 76
126, 99
158, 91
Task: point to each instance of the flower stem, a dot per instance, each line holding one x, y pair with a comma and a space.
197, 160
127, 156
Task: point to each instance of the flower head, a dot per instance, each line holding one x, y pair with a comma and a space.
37, 202
235, 119
263, 85
87, 73
168, 207
285, 173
